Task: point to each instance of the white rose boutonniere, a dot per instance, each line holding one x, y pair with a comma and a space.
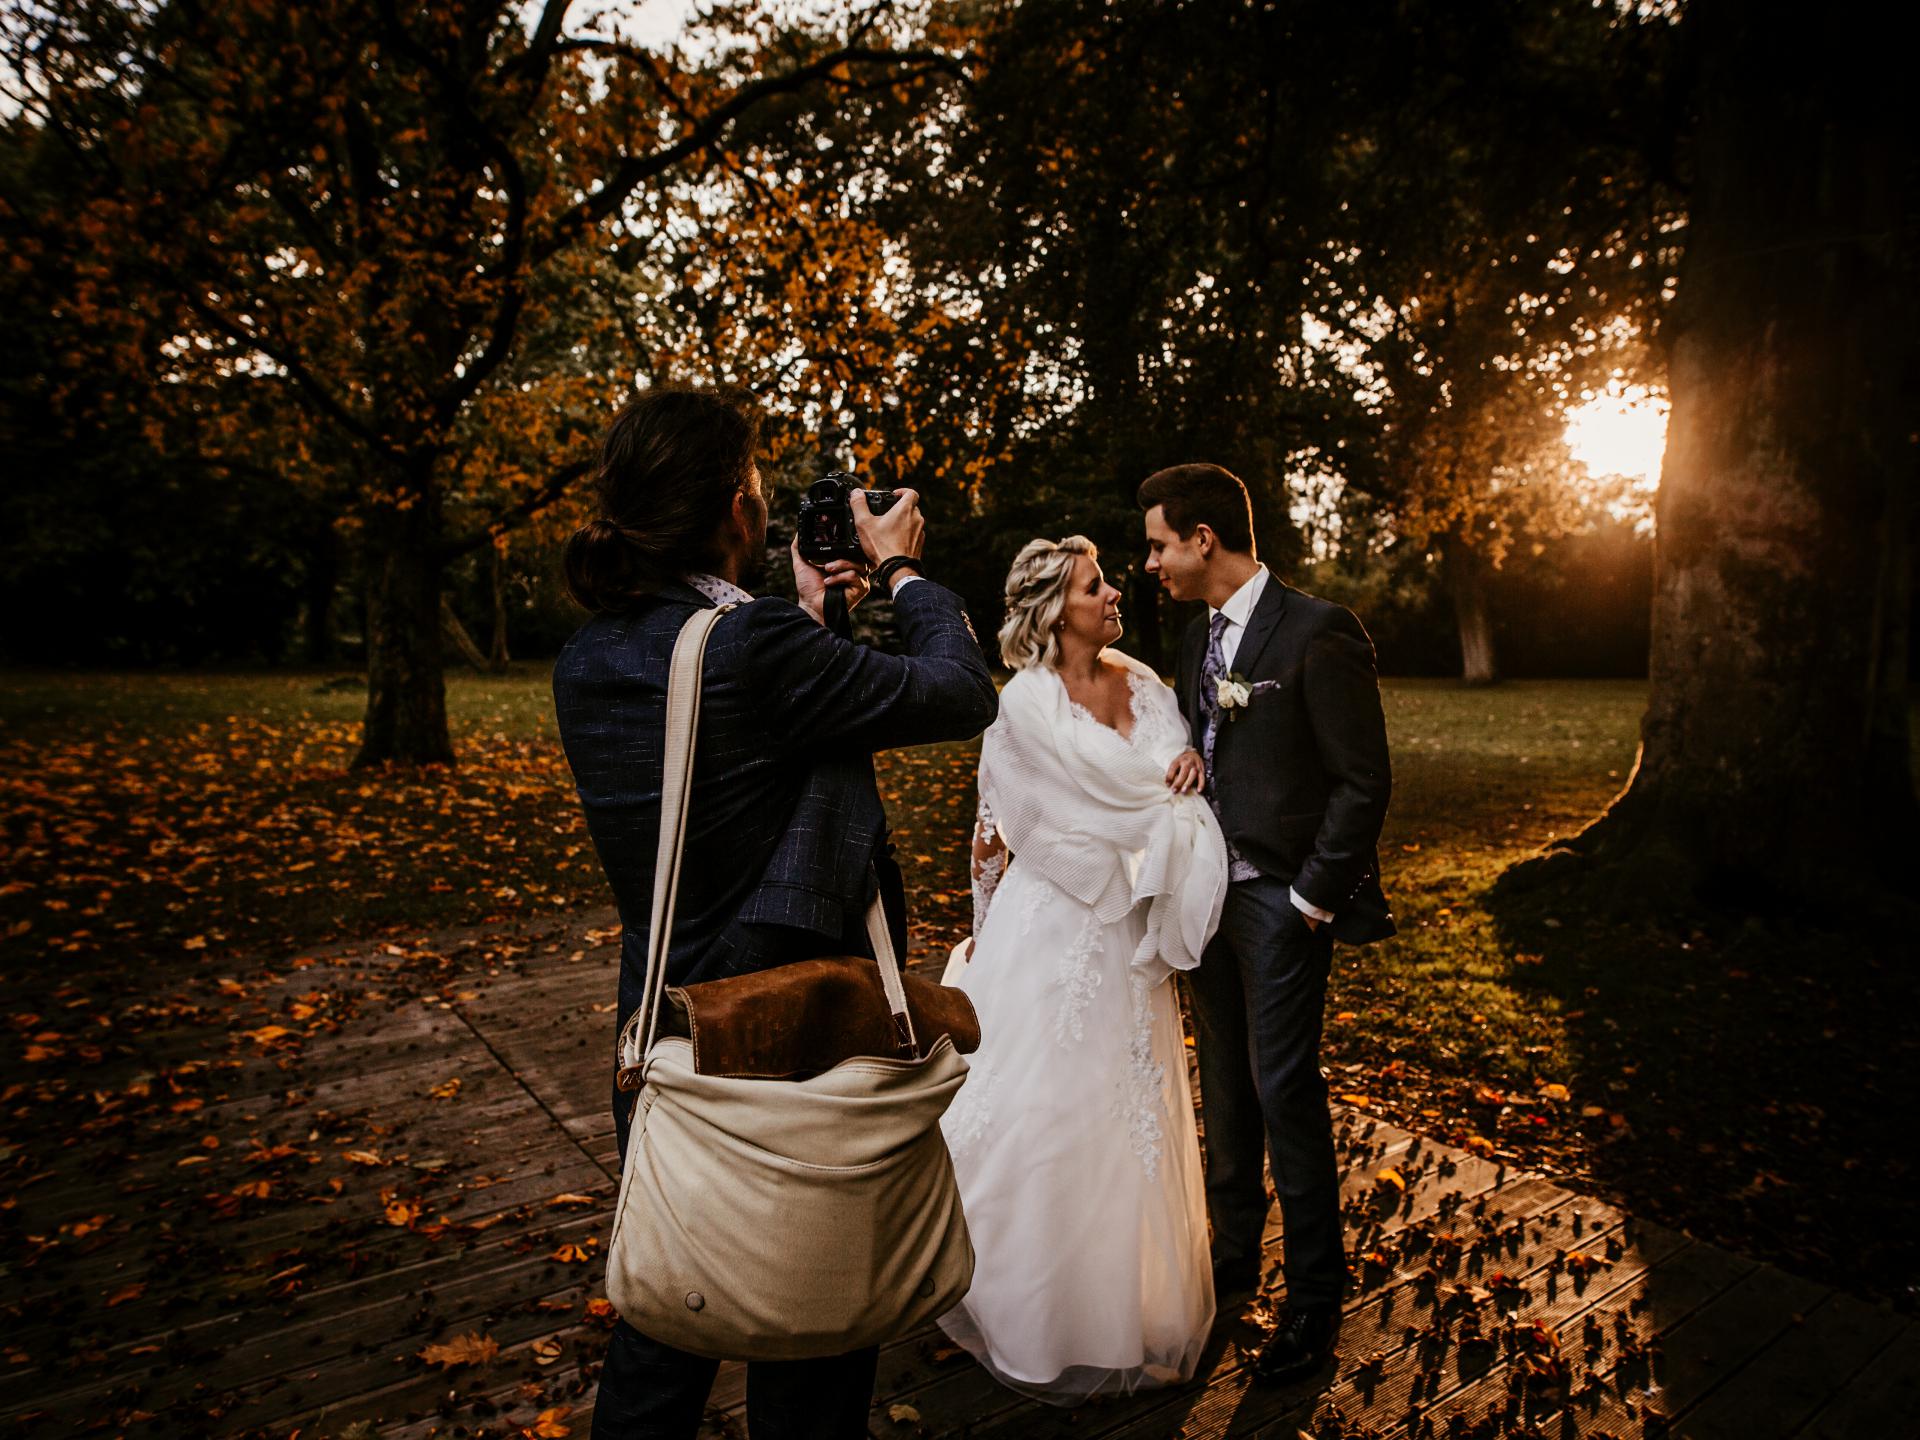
1234, 691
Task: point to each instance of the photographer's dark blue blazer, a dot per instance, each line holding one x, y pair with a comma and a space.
785, 829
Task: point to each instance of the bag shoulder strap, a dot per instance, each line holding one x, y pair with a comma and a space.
684, 685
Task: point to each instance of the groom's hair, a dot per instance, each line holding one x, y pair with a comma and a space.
1196, 495
669, 469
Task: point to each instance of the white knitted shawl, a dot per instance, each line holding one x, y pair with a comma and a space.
1098, 820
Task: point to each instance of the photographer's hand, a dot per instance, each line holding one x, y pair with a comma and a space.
901, 531
812, 583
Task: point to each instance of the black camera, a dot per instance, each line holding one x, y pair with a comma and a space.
826, 518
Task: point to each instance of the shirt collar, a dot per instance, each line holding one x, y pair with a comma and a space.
720, 592
1239, 606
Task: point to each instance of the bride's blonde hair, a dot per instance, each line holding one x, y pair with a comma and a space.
1036, 595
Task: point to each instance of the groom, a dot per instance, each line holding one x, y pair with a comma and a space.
1280, 691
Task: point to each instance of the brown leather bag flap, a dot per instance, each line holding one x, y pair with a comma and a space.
798, 1020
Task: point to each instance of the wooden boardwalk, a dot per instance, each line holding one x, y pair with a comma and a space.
1490, 1303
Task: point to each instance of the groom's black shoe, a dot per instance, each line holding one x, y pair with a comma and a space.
1234, 1281
1300, 1344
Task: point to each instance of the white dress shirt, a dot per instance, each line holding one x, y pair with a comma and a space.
1239, 610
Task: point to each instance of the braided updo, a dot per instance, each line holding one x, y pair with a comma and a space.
1036, 595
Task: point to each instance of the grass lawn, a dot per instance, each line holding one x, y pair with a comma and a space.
167, 830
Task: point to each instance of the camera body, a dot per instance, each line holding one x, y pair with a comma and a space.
825, 531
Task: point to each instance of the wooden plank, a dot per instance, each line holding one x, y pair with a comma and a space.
1783, 1385
1656, 1301
1394, 1347
354, 1336
904, 1369
1883, 1399
1237, 1337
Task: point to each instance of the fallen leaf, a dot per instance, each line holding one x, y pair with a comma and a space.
551, 1424
472, 1348
903, 1414
584, 1201
446, 1089
126, 1293
546, 1352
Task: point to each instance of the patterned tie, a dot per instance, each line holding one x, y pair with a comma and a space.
1215, 665
1211, 670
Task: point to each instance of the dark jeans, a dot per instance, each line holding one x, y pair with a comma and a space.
651, 1391
1259, 997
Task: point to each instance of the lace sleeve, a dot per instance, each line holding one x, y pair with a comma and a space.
989, 862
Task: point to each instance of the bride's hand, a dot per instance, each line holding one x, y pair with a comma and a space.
1187, 772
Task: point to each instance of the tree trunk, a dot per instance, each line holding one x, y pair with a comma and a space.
406, 686
457, 632
1467, 586
1774, 760
498, 659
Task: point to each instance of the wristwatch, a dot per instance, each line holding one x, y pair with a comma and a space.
883, 576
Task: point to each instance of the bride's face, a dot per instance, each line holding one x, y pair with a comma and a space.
1092, 612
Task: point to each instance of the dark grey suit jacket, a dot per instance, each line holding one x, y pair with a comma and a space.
1302, 773
785, 825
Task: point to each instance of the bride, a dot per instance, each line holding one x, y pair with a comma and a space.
1098, 871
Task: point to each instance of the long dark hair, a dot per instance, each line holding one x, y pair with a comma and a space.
670, 466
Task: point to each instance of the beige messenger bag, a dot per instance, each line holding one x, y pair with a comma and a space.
786, 1191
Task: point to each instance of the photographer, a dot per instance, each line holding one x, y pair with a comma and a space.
786, 835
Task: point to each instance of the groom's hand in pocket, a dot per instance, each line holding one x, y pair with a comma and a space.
1187, 772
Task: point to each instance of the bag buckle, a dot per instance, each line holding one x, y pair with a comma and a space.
629, 1077
903, 1037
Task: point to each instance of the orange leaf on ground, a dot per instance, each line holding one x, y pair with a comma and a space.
126, 1293
551, 1424
472, 1348
571, 1254
585, 1201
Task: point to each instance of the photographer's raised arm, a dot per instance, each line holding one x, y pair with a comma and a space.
816, 689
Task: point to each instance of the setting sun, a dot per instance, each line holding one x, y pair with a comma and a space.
1620, 432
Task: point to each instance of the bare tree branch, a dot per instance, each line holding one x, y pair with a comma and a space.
524, 509
637, 169
329, 404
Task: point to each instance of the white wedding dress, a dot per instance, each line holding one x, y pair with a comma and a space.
1073, 1138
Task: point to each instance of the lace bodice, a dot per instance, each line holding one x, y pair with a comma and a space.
1156, 717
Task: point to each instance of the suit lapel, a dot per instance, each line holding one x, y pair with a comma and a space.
1261, 625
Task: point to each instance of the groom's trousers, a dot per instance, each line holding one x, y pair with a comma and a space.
1259, 999
651, 1391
